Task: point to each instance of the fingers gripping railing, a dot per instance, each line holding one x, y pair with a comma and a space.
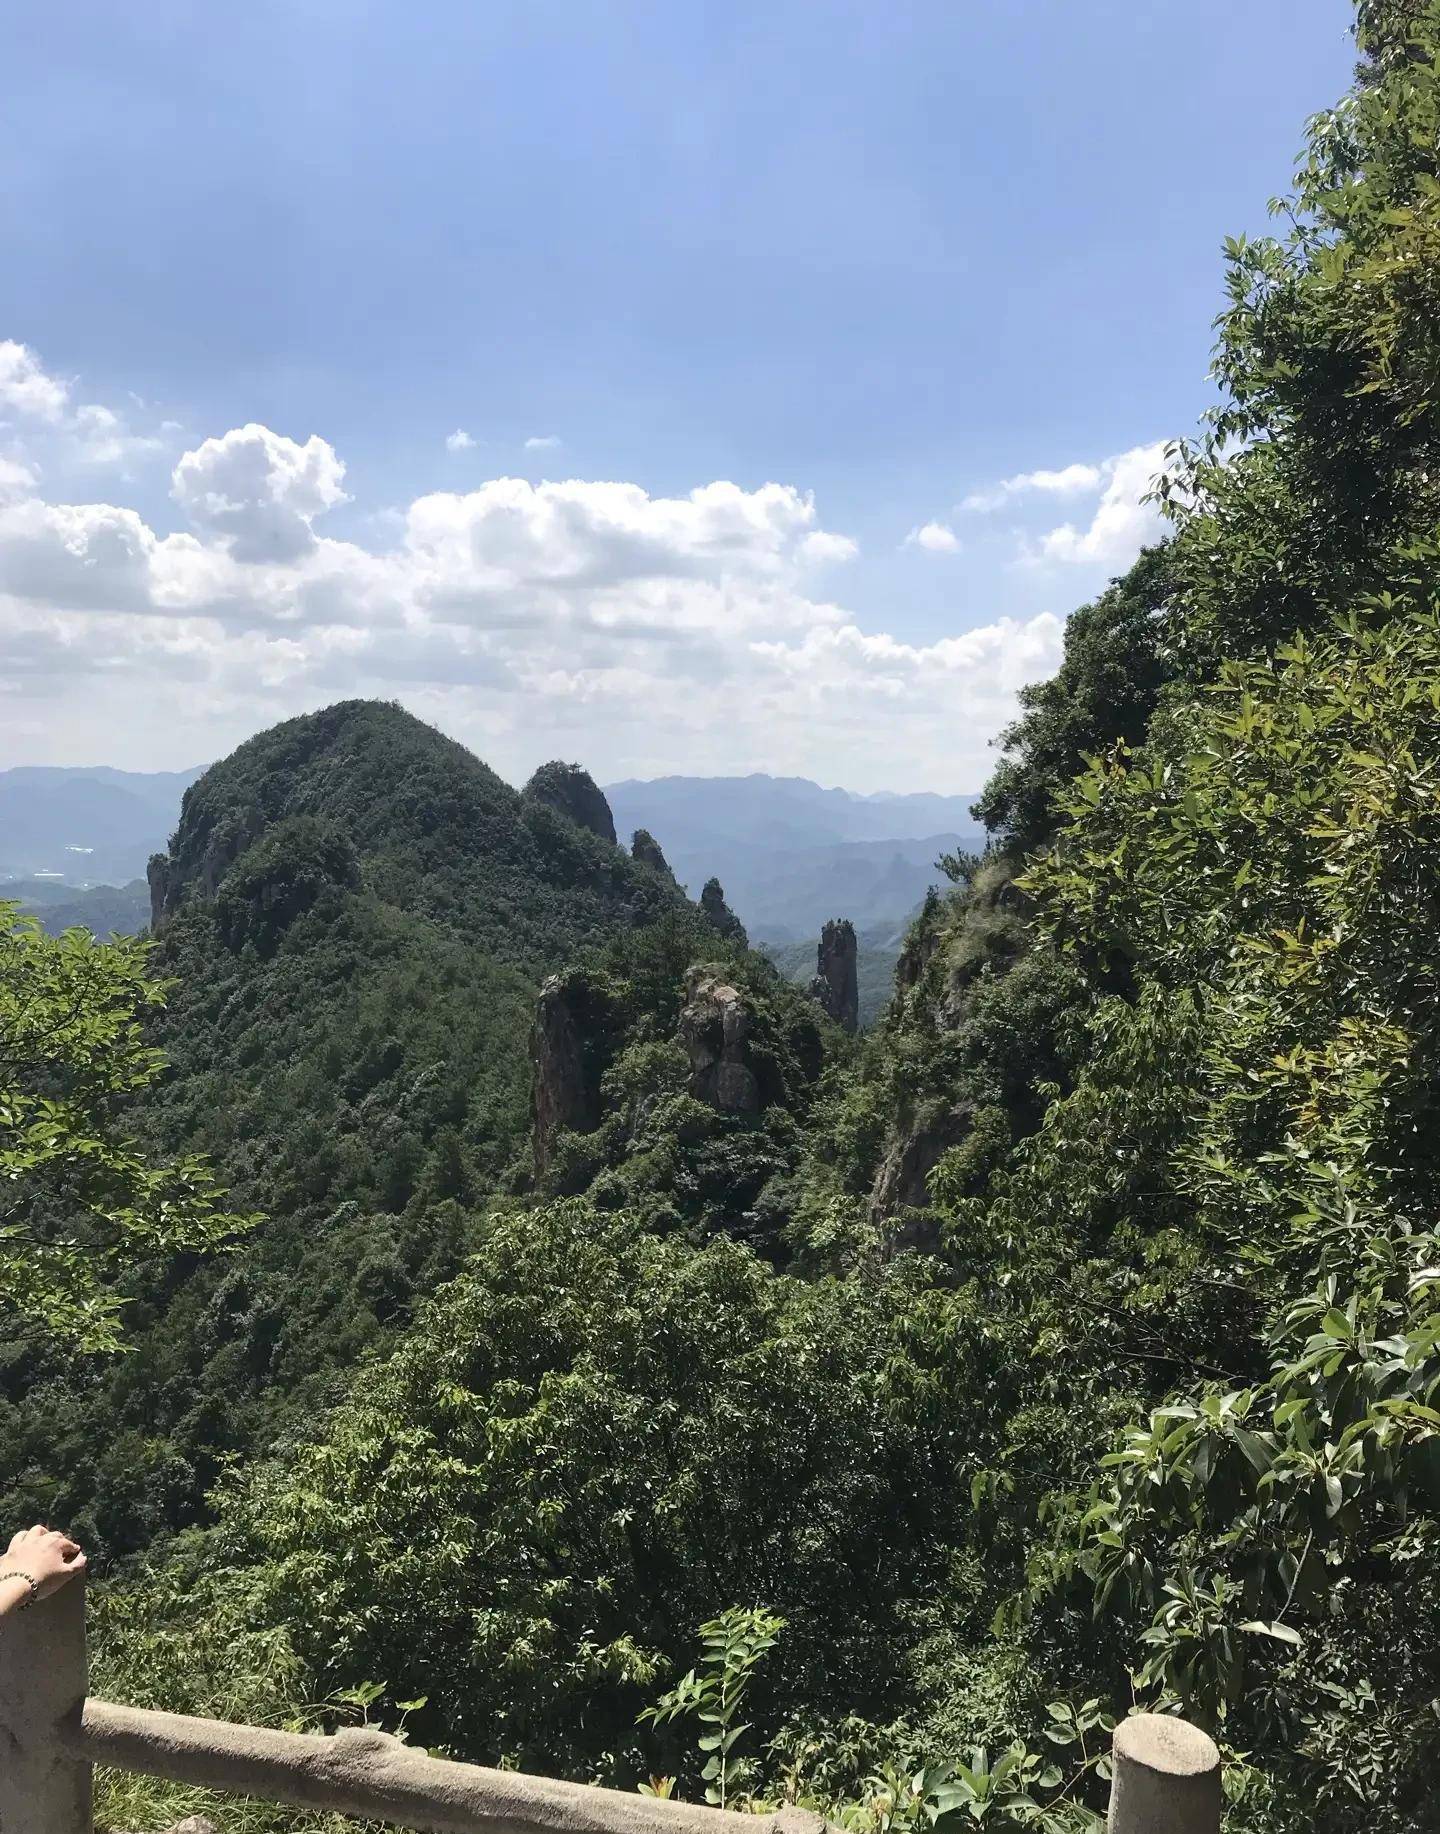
1167, 1773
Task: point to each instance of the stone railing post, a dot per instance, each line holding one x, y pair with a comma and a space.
1166, 1778
43, 1675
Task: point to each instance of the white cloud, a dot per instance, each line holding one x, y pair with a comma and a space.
822, 546
103, 438
26, 388
477, 549
583, 618
259, 492
543, 442
91, 432
16, 477
1122, 522
78, 556
1069, 480
934, 537
458, 441
1016, 652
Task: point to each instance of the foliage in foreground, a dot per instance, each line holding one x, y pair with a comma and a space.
80, 1203
1277, 861
560, 1469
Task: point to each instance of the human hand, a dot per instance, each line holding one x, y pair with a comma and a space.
49, 1557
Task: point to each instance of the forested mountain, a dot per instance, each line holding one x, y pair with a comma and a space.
791, 855
1068, 1341
355, 915
105, 910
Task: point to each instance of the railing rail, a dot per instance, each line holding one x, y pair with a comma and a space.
1166, 1777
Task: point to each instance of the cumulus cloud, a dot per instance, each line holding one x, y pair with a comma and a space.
42, 403
582, 618
1122, 522
75, 556
16, 477
458, 441
822, 546
1069, 480
543, 442
1011, 651
259, 492
473, 549
26, 388
1117, 528
934, 537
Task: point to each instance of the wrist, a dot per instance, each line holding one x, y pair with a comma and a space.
18, 1588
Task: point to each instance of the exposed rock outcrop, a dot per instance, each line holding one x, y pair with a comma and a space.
646, 849
721, 918
836, 987
158, 874
199, 859
574, 792
564, 1093
901, 1193
715, 1025
921, 942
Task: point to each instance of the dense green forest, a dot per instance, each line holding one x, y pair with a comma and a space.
1067, 1341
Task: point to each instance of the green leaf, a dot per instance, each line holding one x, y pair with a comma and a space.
1282, 1633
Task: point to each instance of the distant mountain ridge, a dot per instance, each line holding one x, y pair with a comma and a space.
91, 825
791, 853
760, 806
105, 910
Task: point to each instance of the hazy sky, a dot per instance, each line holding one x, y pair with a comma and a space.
675, 387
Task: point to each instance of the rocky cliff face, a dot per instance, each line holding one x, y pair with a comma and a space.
158, 875
900, 1198
564, 1092
836, 987
646, 850
715, 1025
954, 955
719, 915
575, 793
207, 851
920, 945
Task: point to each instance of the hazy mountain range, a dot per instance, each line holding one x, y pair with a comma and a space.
85, 827
789, 853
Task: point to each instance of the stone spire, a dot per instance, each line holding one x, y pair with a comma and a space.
574, 792
722, 919
836, 985
645, 850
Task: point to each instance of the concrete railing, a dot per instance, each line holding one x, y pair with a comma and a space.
1166, 1780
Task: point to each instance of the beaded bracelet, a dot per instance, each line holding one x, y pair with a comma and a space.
16, 1573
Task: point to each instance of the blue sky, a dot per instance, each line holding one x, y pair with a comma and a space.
885, 258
